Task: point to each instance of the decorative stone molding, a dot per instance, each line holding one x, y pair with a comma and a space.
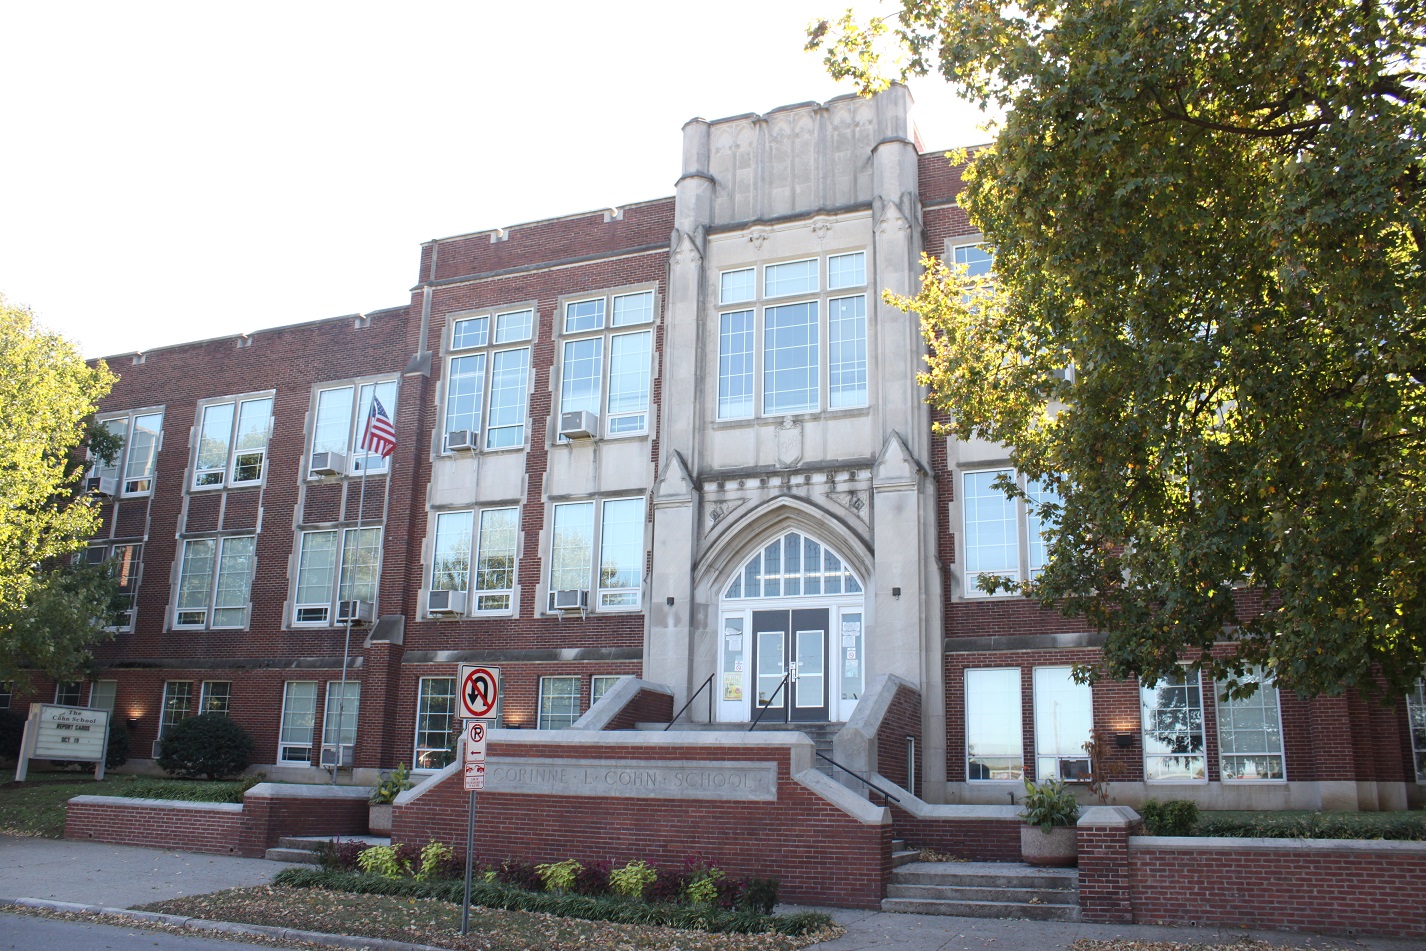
789, 443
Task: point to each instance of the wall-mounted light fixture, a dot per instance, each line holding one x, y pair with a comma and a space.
896, 592
668, 601
132, 723
1123, 740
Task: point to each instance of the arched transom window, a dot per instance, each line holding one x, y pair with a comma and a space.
793, 566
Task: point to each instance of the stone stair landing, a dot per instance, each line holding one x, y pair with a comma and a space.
984, 890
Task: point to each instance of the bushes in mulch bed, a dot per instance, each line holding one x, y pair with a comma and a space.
496, 894
190, 790
1400, 826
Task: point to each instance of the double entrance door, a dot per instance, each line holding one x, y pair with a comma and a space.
791, 644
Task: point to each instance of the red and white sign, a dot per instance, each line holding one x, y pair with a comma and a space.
479, 690
475, 731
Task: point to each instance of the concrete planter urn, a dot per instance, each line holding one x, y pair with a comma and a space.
378, 820
1054, 848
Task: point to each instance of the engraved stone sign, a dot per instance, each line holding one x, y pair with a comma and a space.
637, 779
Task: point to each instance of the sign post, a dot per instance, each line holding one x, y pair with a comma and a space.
479, 693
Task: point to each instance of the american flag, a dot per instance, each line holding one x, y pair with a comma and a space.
380, 436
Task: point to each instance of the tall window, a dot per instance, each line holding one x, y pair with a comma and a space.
1172, 713
494, 544
807, 346
995, 748
132, 471
340, 422
1004, 537
103, 694
435, 722
488, 379
1416, 717
606, 365
559, 702
1064, 722
339, 717
326, 574
599, 685
232, 442
1250, 733
977, 259
7, 694
618, 570
124, 561
216, 697
177, 705
215, 582
299, 717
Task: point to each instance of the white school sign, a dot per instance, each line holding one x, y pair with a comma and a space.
66, 733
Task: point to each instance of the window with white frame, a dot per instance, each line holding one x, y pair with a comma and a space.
141, 436
67, 694
124, 560
177, 705
494, 541
103, 694
299, 719
1004, 537
616, 574
1250, 732
1064, 722
559, 702
599, 685
1172, 718
606, 365
339, 423
977, 259
435, 722
215, 582
1416, 720
786, 345
216, 696
232, 442
488, 378
7, 694
339, 717
327, 573
995, 746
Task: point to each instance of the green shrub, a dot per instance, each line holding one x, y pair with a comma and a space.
335, 855
490, 894
382, 860
12, 731
1175, 817
188, 790
209, 745
117, 752
558, 876
1398, 826
760, 895
632, 880
385, 792
1049, 804
433, 862
702, 881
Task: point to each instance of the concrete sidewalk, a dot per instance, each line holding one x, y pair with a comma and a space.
115, 876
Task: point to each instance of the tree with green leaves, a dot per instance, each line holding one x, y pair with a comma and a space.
1206, 327
51, 610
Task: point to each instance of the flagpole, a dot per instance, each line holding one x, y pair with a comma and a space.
347, 645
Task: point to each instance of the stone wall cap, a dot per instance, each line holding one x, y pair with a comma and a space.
306, 791
734, 738
1116, 817
1205, 843
131, 803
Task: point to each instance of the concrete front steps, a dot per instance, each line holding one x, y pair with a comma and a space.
302, 849
984, 890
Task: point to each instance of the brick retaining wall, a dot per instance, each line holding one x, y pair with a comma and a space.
823, 843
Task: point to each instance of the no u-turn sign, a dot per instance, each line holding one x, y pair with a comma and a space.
479, 690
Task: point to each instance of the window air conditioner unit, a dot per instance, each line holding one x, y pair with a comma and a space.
157, 748
579, 424
358, 612
461, 440
445, 603
328, 463
570, 599
330, 760
107, 486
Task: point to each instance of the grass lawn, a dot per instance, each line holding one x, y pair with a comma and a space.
434, 922
36, 806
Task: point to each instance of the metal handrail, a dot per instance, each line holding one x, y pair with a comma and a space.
694, 697
780, 684
858, 776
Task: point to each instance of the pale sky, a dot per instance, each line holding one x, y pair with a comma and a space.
177, 171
